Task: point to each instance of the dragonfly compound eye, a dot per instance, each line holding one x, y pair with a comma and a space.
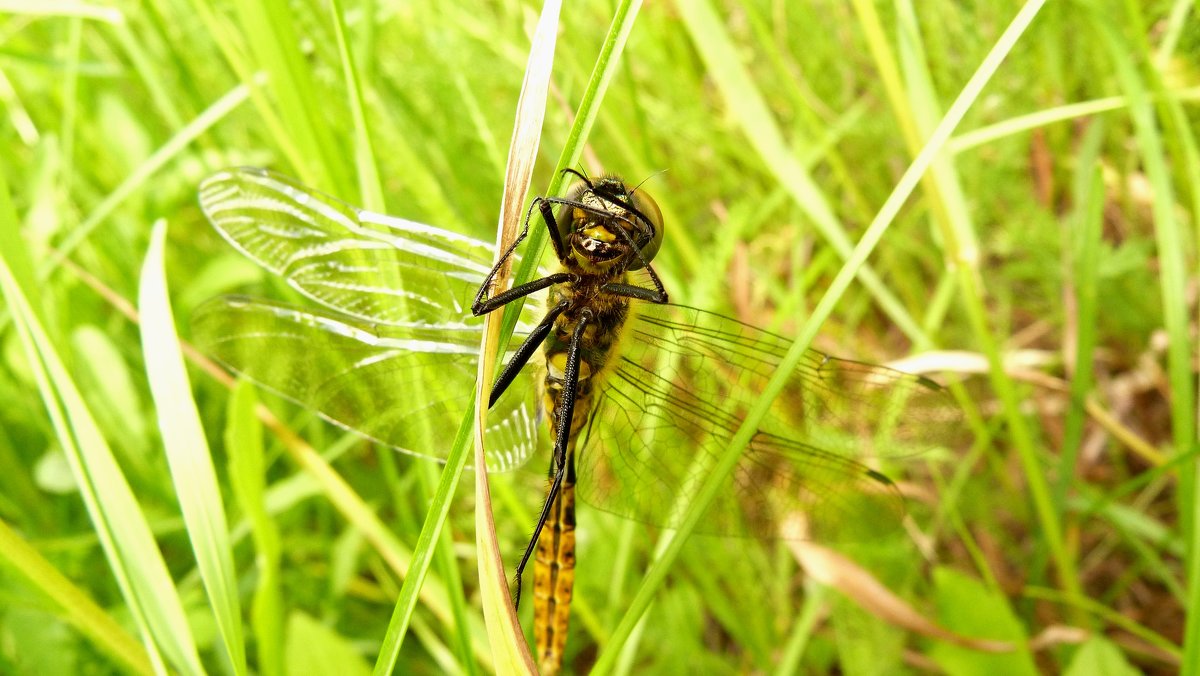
650, 225
570, 213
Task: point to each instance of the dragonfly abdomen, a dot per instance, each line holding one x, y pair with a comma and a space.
554, 577
554, 563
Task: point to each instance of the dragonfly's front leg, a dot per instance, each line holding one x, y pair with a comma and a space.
483, 304
481, 297
656, 295
562, 439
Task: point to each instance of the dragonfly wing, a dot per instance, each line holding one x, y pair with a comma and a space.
401, 386
683, 385
370, 266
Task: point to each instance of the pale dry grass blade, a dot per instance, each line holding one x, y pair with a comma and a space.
504, 631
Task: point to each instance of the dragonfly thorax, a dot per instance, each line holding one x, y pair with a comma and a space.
606, 316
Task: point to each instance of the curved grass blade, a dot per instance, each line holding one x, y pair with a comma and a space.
76, 606
364, 149
508, 642
748, 106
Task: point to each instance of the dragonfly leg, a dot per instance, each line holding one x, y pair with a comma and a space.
658, 295
483, 305
525, 351
546, 207
581, 176
551, 495
547, 211
484, 288
609, 195
562, 439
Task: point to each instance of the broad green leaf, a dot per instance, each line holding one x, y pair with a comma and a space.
973, 610
1099, 657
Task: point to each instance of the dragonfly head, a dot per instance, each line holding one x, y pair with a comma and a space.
605, 224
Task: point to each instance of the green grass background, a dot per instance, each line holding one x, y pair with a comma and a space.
1051, 247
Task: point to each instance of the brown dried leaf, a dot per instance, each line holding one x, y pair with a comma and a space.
856, 583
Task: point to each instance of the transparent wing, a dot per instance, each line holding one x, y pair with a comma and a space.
370, 266
685, 381
406, 387
395, 359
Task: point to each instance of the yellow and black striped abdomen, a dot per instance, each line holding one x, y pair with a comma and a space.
554, 579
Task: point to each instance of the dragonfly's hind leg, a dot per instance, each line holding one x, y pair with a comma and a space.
562, 438
555, 487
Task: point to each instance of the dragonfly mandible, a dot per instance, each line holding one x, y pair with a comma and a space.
640, 395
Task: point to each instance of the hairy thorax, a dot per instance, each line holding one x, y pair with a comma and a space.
607, 315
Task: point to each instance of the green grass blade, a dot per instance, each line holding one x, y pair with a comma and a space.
76, 607
1084, 251
422, 555
504, 631
447, 568
247, 469
231, 45
364, 149
975, 304
1170, 241
142, 176
1042, 118
271, 32
508, 647
195, 479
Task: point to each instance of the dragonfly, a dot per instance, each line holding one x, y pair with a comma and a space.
639, 396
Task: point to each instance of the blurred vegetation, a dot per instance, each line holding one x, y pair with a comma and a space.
1047, 262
